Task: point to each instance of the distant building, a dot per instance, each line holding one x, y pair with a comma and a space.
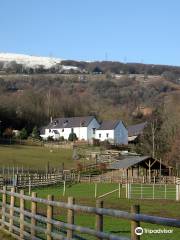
113, 131
135, 130
135, 166
86, 128
83, 127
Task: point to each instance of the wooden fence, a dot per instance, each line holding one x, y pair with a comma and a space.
35, 180
25, 224
119, 179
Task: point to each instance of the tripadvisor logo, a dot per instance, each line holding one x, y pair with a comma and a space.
139, 231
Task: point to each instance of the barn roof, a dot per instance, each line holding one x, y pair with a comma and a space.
131, 161
108, 124
137, 129
70, 122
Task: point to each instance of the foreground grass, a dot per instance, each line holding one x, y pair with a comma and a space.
84, 194
34, 157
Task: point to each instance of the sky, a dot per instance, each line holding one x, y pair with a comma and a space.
144, 31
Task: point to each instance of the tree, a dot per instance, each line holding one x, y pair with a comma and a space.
154, 140
72, 137
8, 133
23, 134
35, 133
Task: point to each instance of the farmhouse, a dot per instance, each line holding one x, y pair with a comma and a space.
86, 128
135, 130
83, 127
113, 131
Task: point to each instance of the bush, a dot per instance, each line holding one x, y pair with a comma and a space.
23, 134
72, 137
50, 138
35, 133
61, 139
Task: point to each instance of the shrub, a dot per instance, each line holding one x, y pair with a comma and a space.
23, 134
50, 138
72, 137
35, 133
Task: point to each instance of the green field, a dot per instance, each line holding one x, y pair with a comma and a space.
34, 157
84, 194
38, 158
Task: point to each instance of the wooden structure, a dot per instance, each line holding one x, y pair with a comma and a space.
29, 224
135, 166
35, 180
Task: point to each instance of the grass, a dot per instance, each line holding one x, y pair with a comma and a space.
34, 157
84, 194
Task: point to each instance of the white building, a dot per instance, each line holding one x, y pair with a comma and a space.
83, 127
86, 128
113, 131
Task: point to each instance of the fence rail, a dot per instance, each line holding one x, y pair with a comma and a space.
123, 180
25, 224
34, 180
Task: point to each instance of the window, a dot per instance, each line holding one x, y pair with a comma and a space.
63, 130
49, 130
94, 130
107, 135
99, 135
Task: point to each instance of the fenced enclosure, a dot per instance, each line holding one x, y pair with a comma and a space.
153, 191
19, 216
123, 179
35, 180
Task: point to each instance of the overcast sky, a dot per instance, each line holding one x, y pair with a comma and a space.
123, 30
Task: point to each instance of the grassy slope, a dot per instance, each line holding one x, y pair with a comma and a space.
34, 157
84, 194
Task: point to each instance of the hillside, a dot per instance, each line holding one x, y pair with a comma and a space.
29, 99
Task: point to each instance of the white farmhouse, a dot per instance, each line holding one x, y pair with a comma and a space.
83, 127
113, 131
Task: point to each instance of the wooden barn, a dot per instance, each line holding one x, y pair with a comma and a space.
136, 166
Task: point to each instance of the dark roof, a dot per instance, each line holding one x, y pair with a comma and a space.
137, 129
70, 122
108, 125
131, 161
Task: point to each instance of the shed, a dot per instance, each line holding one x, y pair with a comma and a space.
141, 165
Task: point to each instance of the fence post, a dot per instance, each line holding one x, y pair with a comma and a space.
165, 191
119, 191
177, 192
95, 192
99, 217
49, 217
33, 211
64, 188
134, 224
4, 198
141, 191
21, 215
70, 217
11, 212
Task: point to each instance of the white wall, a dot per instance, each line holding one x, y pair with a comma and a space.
82, 133
104, 136
117, 136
